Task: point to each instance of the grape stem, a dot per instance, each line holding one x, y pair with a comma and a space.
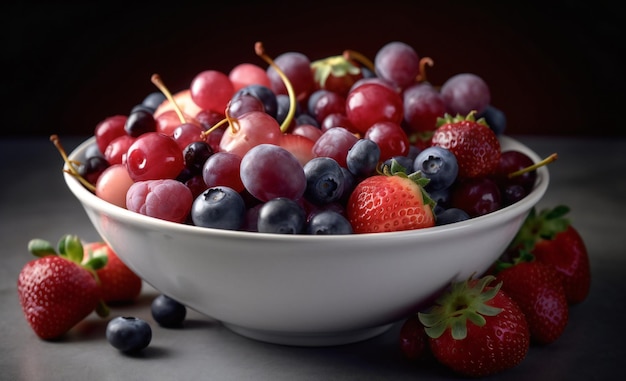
260, 51
421, 77
543, 162
352, 55
158, 82
71, 164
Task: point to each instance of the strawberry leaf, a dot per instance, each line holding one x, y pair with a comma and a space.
40, 247
71, 248
462, 302
97, 262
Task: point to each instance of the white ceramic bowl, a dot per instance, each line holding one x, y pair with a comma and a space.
305, 290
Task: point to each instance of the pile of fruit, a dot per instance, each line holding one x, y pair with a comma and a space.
304, 147
341, 145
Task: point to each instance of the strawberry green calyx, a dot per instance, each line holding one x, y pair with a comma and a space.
471, 117
71, 248
396, 169
464, 301
543, 225
338, 66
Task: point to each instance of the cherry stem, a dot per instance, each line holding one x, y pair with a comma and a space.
543, 162
70, 164
260, 51
158, 82
360, 58
217, 125
421, 77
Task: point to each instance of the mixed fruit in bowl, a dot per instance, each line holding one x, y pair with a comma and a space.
335, 146
319, 202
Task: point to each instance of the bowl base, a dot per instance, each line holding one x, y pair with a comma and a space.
309, 339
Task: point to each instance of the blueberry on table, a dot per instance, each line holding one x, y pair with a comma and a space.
128, 334
168, 312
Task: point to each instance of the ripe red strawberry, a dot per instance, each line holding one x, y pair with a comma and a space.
55, 291
118, 283
551, 238
336, 74
391, 201
300, 146
476, 329
474, 144
538, 291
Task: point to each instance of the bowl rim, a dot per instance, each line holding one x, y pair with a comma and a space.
89, 199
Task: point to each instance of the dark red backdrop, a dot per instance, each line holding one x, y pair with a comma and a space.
554, 69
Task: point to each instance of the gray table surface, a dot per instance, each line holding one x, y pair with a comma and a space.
34, 202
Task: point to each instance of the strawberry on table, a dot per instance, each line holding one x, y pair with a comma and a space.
390, 201
117, 282
476, 329
538, 291
55, 291
475, 145
550, 237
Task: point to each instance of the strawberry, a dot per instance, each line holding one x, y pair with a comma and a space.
476, 329
390, 201
55, 291
551, 238
118, 283
538, 291
300, 146
475, 145
335, 73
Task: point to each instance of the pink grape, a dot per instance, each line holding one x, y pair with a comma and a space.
113, 184
398, 63
222, 169
465, 92
211, 90
166, 199
269, 171
297, 67
246, 74
251, 129
335, 143
423, 104
187, 133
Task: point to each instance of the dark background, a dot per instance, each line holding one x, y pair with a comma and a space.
554, 68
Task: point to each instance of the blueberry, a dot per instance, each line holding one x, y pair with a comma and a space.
264, 94
220, 208
405, 161
282, 109
495, 118
128, 334
324, 180
281, 215
363, 157
329, 222
441, 198
451, 215
153, 100
439, 165
168, 312
139, 122
306, 119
